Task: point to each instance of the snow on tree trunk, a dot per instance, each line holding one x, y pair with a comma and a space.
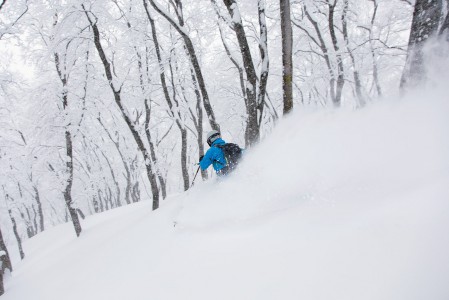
265, 62
426, 18
252, 131
69, 183
69, 151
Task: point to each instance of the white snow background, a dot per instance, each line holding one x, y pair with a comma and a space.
332, 205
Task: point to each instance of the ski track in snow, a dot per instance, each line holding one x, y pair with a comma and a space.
333, 205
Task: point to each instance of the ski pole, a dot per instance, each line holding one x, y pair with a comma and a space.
193, 181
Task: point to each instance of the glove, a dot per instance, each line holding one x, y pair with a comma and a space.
201, 157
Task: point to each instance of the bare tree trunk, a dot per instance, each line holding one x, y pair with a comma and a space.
444, 30
68, 188
161, 179
265, 62
185, 171
373, 55
117, 97
2, 287
321, 43
287, 46
36, 228
125, 164
193, 59
69, 151
5, 262
252, 132
16, 234
340, 77
135, 195
182, 128
173, 111
358, 85
426, 18
27, 220
96, 204
233, 60
135, 188
14, 226
100, 200
198, 121
39, 208
135, 192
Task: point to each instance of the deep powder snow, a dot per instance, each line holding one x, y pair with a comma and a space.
332, 205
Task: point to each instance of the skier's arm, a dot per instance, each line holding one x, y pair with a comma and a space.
206, 161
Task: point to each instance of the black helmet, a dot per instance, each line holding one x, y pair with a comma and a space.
212, 136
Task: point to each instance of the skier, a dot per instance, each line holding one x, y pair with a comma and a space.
221, 155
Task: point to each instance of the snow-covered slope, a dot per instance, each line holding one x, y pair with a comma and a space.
333, 205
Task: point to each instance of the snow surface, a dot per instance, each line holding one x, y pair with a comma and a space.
333, 205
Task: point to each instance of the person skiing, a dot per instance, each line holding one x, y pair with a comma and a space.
221, 155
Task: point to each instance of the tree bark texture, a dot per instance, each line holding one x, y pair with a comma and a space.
265, 61
425, 22
287, 63
68, 188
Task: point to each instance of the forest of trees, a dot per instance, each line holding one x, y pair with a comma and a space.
106, 103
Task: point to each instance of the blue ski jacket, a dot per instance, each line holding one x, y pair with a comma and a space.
214, 156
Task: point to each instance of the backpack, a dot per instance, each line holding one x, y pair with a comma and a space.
232, 153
